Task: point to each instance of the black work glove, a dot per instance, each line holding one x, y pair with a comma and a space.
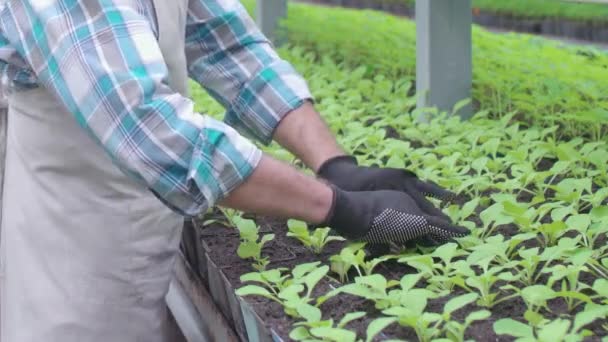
384, 216
344, 172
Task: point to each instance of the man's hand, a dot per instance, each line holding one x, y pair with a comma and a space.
378, 217
385, 216
344, 172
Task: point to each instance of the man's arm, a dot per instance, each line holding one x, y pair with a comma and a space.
264, 95
304, 133
279, 190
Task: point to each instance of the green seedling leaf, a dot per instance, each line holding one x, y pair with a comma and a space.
477, 316
248, 249
299, 334
349, 317
423, 263
408, 281
247, 228
494, 214
455, 330
491, 146
274, 276
300, 270
534, 318
297, 226
446, 252
508, 326
559, 214
395, 162
334, 334
312, 278
537, 295
457, 303
460, 105
589, 315
267, 238
469, 208
480, 164
566, 152
579, 222
600, 286
257, 277
514, 209
309, 312
554, 331
291, 292
253, 290
552, 231
560, 167
600, 213
570, 189
580, 257
377, 325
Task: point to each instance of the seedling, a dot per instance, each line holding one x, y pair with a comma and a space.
439, 274
498, 250
315, 241
315, 329
484, 283
293, 292
571, 289
354, 255
556, 330
250, 247
376, 288
533, 263
409, 309
455, 331
427, 325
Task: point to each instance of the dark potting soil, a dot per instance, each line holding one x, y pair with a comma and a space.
218, 230
223, 250
339, 306
545, 164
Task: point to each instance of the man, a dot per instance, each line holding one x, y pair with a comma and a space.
106, 156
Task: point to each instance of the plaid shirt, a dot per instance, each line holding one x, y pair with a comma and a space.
102, 61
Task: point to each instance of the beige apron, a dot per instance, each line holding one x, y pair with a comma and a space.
87, 254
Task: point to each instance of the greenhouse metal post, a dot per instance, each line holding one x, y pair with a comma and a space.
268, 16
443, 49
443, 54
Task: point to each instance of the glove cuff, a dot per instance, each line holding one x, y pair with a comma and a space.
330, 214
327, 166
341, 217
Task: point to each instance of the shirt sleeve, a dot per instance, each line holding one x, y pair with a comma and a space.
102, 60
237, 65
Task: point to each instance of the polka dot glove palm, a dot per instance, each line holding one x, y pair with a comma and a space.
384, 216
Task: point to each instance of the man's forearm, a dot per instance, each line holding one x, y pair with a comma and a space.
304, 133
279, 190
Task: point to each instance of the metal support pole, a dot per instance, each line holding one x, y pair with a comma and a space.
444, 53
268, 17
